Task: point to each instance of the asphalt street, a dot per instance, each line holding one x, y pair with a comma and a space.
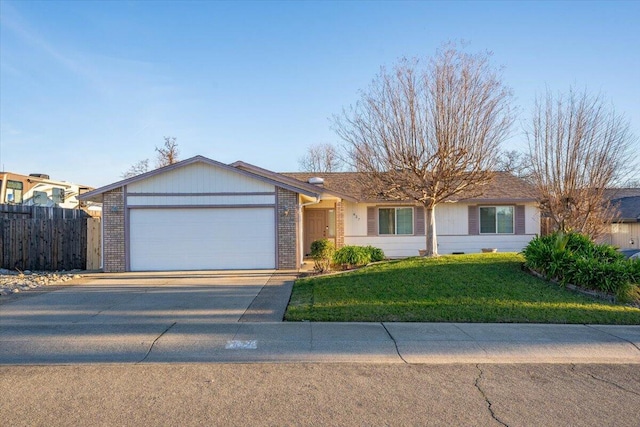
321, 395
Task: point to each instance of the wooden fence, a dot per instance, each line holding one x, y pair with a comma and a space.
41, 238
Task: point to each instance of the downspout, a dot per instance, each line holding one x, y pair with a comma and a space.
301, 227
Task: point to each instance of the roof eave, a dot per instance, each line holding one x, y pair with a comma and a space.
99, 191
318, 191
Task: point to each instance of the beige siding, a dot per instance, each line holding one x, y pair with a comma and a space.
532, 219
200, 178
324, 204
622, 236
451, 219
241, 199
355, 219
452, 230
405, 246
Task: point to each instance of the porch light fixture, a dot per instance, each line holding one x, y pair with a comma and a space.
631, 241
356, 216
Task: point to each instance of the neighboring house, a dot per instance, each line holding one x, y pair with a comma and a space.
39, 190
625, 229
203, 214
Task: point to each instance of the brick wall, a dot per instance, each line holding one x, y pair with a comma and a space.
287, 229
113, 220
339, 224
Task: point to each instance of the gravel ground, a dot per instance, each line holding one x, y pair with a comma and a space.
12, 282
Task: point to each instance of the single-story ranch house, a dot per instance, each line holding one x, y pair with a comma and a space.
202, 214
625, 229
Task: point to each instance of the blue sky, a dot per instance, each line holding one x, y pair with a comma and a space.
89, 88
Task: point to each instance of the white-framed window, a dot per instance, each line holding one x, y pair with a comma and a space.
14, 192
496, 219
395, 221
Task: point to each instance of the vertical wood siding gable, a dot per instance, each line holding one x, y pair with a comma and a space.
371, 221
520, 219
474, 221
418, 221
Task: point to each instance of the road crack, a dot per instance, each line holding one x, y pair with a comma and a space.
604, 380
484, 395
394, 343
155, 341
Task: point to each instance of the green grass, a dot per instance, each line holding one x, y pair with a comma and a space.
456, 288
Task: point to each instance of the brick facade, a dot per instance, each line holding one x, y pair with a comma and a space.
287, 229
339, 224
114, 235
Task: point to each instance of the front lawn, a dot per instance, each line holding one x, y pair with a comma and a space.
452, 288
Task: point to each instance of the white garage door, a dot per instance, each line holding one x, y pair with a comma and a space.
202, 239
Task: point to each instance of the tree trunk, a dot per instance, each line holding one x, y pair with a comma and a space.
432, 238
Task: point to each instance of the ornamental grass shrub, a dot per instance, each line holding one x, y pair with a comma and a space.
574, 258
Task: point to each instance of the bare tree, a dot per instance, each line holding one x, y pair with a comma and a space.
514, 162
577, 148
429, 133
321, 158
136, 169
168, 153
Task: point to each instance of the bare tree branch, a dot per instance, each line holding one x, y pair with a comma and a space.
321, 158
168, 153
514, 162
136, 169
577, 148
428, 132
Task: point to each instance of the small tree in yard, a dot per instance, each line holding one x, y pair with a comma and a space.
577, 148
426, 133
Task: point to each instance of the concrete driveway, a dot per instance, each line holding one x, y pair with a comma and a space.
134, 298
112, 317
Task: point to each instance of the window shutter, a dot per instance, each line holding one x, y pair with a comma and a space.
520, 217
474, 226
371, 221
418, 221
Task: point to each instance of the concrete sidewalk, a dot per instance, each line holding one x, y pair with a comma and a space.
171, 341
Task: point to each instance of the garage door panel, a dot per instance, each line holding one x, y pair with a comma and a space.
191, 239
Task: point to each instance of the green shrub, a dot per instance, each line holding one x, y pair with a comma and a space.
376, 254
635, 271
548, 255
574, 258
352, 256
322, 253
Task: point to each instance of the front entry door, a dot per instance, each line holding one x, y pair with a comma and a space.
315, 226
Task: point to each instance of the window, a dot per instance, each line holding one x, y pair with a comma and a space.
40, 198
331, 223
57, 195
496, 220
395, 221
14, 192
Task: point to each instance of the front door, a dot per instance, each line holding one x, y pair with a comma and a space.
316, 227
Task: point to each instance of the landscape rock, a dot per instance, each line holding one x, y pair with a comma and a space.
16, 281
